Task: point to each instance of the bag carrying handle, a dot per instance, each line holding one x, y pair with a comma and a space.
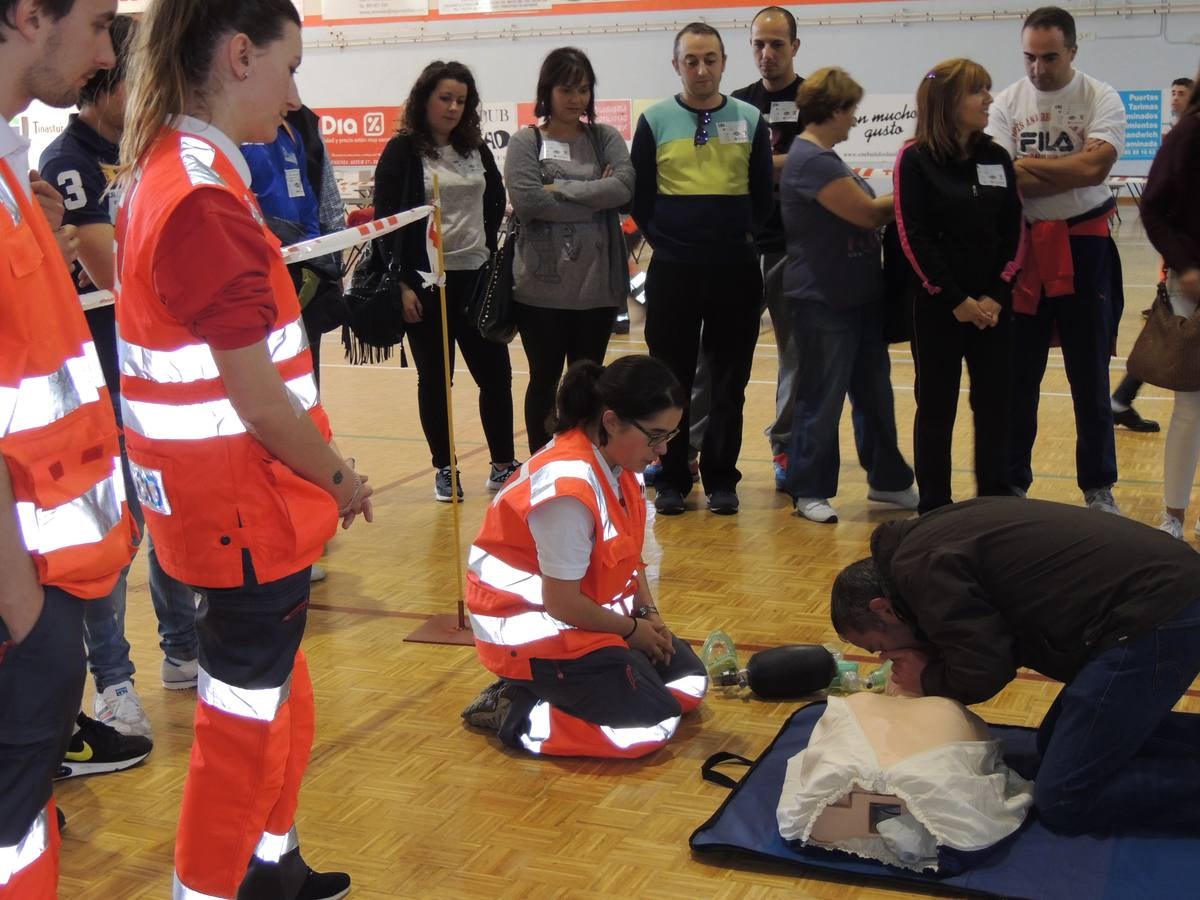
708, 773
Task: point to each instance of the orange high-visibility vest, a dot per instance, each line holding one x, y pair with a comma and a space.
504, 583
58, 435
209, 488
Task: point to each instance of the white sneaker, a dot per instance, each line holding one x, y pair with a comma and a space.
816, 509
1101, 500
119, 707
179, 674
317, 574
905, 499
1171, 525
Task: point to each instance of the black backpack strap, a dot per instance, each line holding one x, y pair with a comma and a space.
708, 770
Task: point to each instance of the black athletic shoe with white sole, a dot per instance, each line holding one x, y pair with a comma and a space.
97, 748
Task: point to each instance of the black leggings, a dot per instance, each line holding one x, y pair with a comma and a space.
549, 337
487, 361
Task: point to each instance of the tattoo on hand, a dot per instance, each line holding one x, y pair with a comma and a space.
338, 477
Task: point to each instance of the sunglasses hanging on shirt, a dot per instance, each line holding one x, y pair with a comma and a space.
703, 120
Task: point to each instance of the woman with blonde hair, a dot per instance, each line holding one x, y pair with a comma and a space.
229, 447
833, 278
958, 216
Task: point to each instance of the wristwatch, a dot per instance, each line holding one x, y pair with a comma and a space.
643, 611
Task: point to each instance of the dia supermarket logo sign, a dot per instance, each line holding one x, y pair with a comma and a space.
356, 135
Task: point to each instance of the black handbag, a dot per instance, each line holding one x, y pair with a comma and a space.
376, 312
495, 310
496, 316
1167, 352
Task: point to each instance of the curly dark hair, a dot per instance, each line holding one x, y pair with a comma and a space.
467, 135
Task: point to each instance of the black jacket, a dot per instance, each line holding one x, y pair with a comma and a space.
400, 185
994, 584
960, 223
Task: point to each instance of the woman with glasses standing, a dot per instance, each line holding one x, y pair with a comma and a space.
958, 215
566, 180
833, 277
560, 604
440, 137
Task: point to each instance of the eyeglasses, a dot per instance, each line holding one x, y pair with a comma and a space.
703, 120
655, 438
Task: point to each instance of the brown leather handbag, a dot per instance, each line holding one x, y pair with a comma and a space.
1167, 352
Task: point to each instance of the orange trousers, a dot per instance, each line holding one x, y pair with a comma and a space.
243, 783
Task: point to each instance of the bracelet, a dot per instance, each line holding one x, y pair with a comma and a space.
345, 510
632, 630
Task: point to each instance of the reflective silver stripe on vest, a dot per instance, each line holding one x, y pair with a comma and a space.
202, 421
180, 891
84, 520
542, 487
40, 400
28, 850
248, 703
513, 631
538, 731
271, 847
498, 574
195, 362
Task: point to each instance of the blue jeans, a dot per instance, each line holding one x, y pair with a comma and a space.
104, 619
840, 352
1086, 330
1113, 753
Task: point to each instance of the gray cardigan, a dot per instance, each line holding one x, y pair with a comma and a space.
571, 253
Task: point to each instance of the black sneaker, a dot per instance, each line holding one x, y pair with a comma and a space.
442, 485
669, 502
62, 819
489, 708
723, 503
500, 474
324, 886
97, 748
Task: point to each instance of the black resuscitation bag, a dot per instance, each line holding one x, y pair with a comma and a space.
791, 671
376, 314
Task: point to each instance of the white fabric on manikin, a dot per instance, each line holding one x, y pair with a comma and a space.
959, 794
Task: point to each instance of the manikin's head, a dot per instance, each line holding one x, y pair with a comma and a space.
49, 49
1048, 42
862, 615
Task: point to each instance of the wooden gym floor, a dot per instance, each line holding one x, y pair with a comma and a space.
412, 805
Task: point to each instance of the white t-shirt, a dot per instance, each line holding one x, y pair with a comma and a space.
461, 183
565, 532
1028, 122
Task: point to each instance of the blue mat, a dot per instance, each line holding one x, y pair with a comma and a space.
1035, 864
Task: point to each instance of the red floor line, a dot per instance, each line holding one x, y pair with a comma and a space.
424, 473
752, 648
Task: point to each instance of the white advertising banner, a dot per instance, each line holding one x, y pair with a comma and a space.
476, 7
372, 9
498, 122
885, 122
40, 124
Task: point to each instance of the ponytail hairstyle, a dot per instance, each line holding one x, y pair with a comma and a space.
633, 387
173, 57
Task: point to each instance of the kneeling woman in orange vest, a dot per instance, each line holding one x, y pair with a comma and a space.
228, 444
557, 590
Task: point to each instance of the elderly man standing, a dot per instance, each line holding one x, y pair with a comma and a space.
1064, 130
